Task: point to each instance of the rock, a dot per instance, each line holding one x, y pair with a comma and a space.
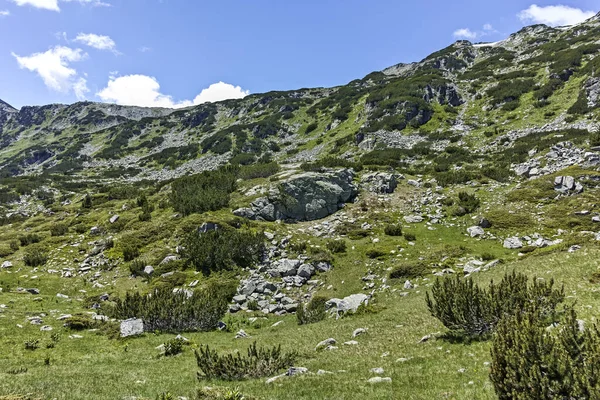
414, 183
513, 243
94, 230
286, 267
475, 231
413, 219
269, 235
33, 291
168, 259
325, 343
240, 299
358, 332
349, 303
323, 266
221, 326
304, 197
46, 328
6, 264
484, 223
207, 227
62, 296
380, 182
567, 185
426, 338
594, 219
293, 371
306, 271
377, 371
114, 218
148, 269
241, 334
379, 379
248, 288
522, 170
132, 327
408, 285
351, 343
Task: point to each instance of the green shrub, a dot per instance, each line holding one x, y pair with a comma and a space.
375, 253
311, 127
409, 271
136, 267
468, 202
59, 229
29, 238
6, 251
336, 246
35, 256
222, 249
166, 311
259, 170
312, 312
87, 202
32, 344
258, 363
207, 191
131, 251
80, 322
529, 362
173, 347
468, 310
410, 237
393, 230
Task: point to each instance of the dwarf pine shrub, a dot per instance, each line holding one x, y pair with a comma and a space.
469, 310
530, 362
35, 256
166, 311
312, 312
257, 363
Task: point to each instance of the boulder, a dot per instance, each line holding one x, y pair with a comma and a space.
567, 185
148, 269
484, 223
475, 231
349, 303
325, 343
285, 267
114, 218
323, 266
207, 227
380, 182
304, 197
6, 264
413, 219
132, 327
306, 271
513, 243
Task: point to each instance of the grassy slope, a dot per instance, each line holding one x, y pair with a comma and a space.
97, 367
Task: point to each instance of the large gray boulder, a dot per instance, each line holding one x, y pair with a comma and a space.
381, 182
132, 327
304, 197
348, 304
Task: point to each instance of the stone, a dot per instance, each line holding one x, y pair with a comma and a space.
377, 371
475, 231
304, 197
293, 371
269, 235
408, 285
240, 299
241, 334
513, 243
414, 183
351, 343
413, 219
380, 182
33, 291
168, 259
323, 266
484, 223
325, 343
46, 328
114, 218
207, 227
306, 271
62, 296
148, 269
94, 230
358, 332
594, 219
6, 264
349, 303
287, 267
248, 288
379, 379
132, 327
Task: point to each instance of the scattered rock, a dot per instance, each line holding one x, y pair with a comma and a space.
325, 343
475, 231
379, 379
132, 327
241, 334
513, 243
358, 332
349, 303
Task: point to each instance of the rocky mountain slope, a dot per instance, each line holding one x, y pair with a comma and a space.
315, 219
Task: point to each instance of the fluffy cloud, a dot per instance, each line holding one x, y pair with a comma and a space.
99, 42
4, 13
53, 4
53, 66
144, 91
465, 33
554, 15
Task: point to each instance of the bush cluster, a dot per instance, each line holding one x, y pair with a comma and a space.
257, 363
312, 312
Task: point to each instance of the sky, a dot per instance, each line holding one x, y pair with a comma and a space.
177, 53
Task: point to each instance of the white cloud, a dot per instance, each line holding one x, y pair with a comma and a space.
220, 91
144, 91
488, 27
554, 15
100, 42
144, 49
53, 66
465, 33
53, 4
4, 13
43, 4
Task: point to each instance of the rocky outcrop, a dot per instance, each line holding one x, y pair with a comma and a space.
381, 182
304, 197
567, 185
592, 91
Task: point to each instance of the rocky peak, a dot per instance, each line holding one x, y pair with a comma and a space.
7, 108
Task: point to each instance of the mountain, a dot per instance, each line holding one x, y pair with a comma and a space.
458, 94
405, 235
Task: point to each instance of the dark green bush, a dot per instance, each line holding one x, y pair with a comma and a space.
468, 310
59, 229
35, 256
258, 363
173, 347
312, 312
29, 238
468, 202
311, 127
410, 237
336, 246
375, 253
529, 362
207, 191
409, 271
222, 249
130, 251
136, 267
393, 230
259, 170
166, 311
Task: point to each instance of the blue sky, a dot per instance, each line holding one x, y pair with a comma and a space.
180, 52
